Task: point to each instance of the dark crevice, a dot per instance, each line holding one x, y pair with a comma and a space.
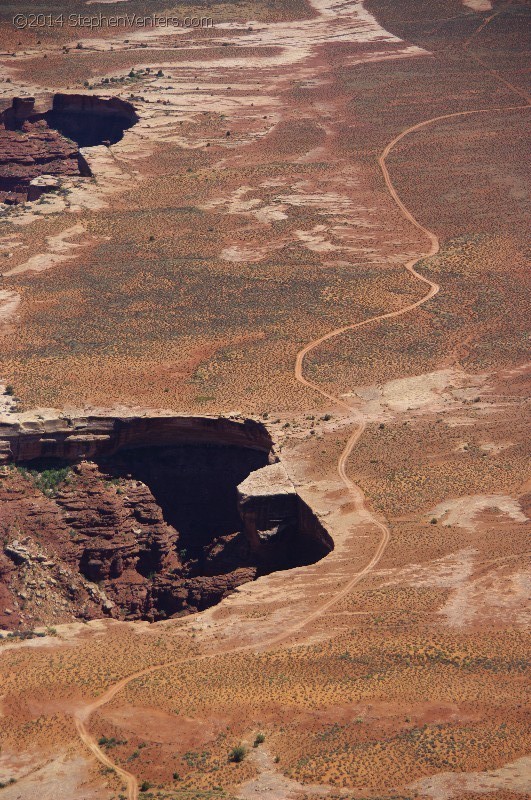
89, 120
194, 486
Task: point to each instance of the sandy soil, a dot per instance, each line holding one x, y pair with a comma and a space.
60, 249
395, 664
59, 778
513, 777
9, 303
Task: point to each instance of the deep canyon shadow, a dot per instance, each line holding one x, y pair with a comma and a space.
194, 485
89, 120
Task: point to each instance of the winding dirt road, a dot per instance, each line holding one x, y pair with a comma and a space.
82, 717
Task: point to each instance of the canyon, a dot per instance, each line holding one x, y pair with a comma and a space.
142, 518
39, 146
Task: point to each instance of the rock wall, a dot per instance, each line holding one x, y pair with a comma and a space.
73, 438
103, 541
91, 120
95, 106
313, 541
194, 485
279, 526
29, 150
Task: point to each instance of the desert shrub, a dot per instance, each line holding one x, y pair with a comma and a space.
259, 739
237, 754
47, 480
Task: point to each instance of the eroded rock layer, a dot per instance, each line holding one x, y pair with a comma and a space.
31, 149
37, 147
141, 518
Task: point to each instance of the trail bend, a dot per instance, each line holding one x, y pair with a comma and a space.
82, 717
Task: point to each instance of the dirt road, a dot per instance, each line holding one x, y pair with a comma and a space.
83, 716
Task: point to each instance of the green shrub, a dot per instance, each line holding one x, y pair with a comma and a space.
237, 754
47, 480
259, 739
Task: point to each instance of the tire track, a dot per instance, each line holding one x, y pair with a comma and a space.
83, 716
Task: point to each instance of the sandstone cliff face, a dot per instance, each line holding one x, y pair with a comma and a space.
139, 517
73, 438
97, 547
29, 149
33, 151
98, 542
119, 537
39, 579
36, 144
95, 106
91, 120
279, 526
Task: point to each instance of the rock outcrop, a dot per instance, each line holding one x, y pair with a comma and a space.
37, 144
33, 151
278, 525
97, 547
73, 438
141, 517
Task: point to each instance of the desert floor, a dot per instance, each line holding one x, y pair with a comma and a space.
319, 220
